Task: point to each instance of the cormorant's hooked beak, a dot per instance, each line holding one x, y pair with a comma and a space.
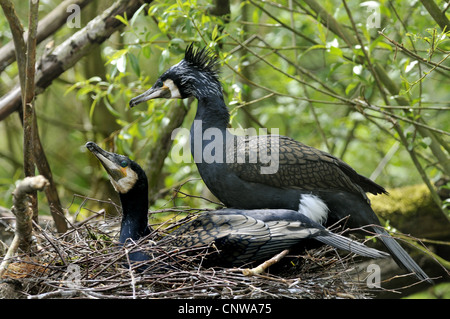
108, 160
153, 93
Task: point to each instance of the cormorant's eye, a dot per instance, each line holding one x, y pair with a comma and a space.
124, 163
159, 84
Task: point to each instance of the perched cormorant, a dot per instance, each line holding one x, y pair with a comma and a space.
240, 236
239, 170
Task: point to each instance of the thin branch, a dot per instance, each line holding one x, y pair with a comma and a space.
420, 169
28, 99
47, 26
366, 55
283, 24
68, 53
17, 34
427, 73
51, 192
436, 13
414, 55
22, 239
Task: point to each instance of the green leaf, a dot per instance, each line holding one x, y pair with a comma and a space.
215, 33
134, 64
146, 51
136, 14
350, 87
335, 51
110, 108
116, 55
122, 19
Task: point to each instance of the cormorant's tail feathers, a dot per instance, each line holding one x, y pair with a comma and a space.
401, 257
345, 243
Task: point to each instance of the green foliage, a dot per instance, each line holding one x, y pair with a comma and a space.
281, 68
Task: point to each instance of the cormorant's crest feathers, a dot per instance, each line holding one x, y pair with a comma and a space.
203, 59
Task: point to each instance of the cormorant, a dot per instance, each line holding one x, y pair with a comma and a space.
240, 236
315, 183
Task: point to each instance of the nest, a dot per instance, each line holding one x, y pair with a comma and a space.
86, 262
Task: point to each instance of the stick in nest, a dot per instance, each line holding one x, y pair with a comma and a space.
263, 267
21, 209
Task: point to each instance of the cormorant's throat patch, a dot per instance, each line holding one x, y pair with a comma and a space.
171, 86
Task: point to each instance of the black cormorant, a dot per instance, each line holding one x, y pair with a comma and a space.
237, 170
240, 236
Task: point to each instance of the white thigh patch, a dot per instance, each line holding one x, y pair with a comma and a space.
314, 208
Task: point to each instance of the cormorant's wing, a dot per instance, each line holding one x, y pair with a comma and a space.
299, 166
244, 236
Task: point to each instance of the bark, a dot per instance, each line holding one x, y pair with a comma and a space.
68, 53
50, 66
47, 26
24, 217
27, 85
437, 14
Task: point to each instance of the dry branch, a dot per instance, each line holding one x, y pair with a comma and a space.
21, 209
33, 153
27, 88
47, 26
17, 34
68, 53
50, 67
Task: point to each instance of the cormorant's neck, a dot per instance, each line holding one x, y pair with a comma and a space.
135, 214
213, 112
210, 124
211, 109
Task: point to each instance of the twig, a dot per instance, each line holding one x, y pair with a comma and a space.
21, 210
68, 53
27, 87
11, 251
17, 34
414, 55
262, 267
427, 73
47, 26
283, 24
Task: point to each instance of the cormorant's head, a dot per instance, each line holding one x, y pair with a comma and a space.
195, 75
123, 173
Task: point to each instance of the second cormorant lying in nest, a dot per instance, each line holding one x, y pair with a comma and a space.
240, 236
238, 170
